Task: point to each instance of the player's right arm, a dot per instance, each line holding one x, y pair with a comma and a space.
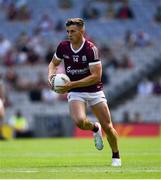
52, 68
56, 60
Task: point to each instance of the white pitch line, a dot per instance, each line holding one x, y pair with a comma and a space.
80, 170
19, 171
109, 171
73, 154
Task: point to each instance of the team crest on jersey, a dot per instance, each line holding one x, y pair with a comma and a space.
65, 56
75, 58
84, 59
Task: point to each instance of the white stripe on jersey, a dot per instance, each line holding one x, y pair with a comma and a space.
95, 51
57, 57
93, 63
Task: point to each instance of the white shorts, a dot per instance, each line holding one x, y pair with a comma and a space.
90, 98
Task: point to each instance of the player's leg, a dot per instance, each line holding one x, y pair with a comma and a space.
102, 112
78, 114
77, 103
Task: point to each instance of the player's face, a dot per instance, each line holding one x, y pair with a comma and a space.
75, 33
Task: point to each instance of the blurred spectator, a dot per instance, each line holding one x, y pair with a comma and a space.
104, 51
145, 87
126, 117
23, 83
129, 39
41, 82
125, 62
62, 97
21, 3
35, 94
37, 43
22, 42
35, 91
18, 10
157, 16
32, 57
89, 12
105, 76
157, 87
142, 39
23, 12
5, 46
59, 27
20, 125
65, 4
46, 24
4, 3
49, 96
110, 12
21, 57
111, 60
49, 53
137, 118
7, 102
125, 12
12, 78
11, 12
10, 58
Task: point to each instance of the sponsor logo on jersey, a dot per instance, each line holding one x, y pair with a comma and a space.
76, 71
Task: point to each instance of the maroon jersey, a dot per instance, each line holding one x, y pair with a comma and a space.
77, 63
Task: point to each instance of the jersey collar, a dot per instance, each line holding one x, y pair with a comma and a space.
76, 51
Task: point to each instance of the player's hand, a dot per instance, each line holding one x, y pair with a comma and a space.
51, 79
66, 87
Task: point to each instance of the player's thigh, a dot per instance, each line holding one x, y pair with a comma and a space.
77, 110
102, 113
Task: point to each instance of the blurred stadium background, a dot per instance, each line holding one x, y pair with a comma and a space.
128, 35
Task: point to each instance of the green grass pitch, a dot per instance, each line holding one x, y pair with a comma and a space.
69, 158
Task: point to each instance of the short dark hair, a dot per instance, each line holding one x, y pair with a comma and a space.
75, 21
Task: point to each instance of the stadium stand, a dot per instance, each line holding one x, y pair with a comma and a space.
144, 52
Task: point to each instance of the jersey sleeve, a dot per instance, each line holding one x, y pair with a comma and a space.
59, 52
94, 56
